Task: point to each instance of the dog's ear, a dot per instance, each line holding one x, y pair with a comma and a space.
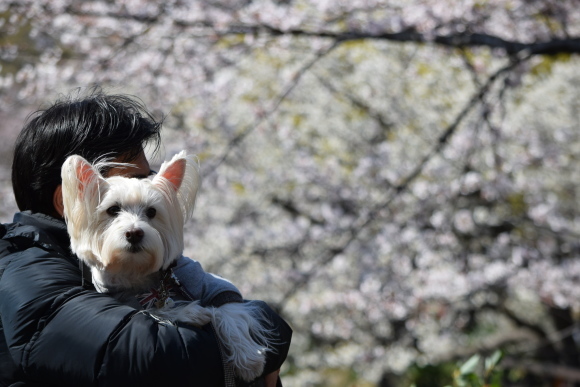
182, 177
79, 177
173, 171
81, 191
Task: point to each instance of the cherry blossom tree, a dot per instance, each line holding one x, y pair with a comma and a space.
398, 178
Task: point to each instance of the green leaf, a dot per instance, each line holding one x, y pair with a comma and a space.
470, 365
493, 360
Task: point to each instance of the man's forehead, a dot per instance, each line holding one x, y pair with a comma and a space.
136, 168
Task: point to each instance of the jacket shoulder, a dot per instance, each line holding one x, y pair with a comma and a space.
8, 246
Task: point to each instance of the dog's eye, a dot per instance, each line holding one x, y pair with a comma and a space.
150, 212
114, 210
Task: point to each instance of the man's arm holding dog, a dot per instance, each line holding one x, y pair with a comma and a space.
213, 290
91, 338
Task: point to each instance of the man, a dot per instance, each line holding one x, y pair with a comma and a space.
56, 329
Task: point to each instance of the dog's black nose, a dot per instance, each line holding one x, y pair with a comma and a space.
134, 236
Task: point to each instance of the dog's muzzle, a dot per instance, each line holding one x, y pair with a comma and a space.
134, 237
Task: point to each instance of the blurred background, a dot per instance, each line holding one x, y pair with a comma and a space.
399, 179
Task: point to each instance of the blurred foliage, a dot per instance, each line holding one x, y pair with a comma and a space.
479, 371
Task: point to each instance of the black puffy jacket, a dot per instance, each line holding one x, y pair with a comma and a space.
55, 332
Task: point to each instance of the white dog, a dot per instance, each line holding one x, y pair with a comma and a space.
130, 233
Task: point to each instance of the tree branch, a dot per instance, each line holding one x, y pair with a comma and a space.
569, 45
459, 40
542, 369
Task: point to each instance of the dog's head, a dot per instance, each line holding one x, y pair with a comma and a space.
127, 228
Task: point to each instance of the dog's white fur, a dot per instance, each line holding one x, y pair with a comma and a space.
103, 213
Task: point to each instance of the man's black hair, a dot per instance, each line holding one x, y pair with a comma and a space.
91, 126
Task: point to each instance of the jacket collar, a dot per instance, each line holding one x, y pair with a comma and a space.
46, 228
51, 233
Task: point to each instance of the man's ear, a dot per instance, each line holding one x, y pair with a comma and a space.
57, 200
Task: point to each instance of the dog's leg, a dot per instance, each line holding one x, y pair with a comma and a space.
192, 313
244, 338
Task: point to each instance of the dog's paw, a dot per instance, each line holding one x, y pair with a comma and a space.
244, 338
248, 361
195, 314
